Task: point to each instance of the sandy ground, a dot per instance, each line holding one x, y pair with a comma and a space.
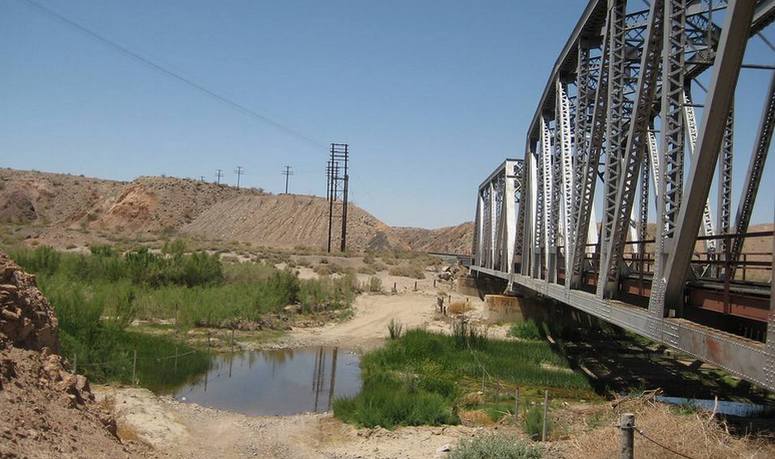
181, 430
177, 429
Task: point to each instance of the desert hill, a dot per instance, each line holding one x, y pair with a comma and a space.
69, 210
288, 221
451, 239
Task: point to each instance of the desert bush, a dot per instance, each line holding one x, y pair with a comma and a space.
527, 329
367, 269
413, 271
395, 328
375, 284
495, 446
322, 270
459, 307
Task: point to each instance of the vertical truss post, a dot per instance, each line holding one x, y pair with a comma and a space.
536, 202
492, 225
691, 130
670, 165
566, 166
726, 69
724, 202
769, 363
590, 155
755, 171
477, 246
548, 206
614, 133
636, 144
520, 187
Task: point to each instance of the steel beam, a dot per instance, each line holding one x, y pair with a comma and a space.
584, 201
726, 69
615, 128
628, 169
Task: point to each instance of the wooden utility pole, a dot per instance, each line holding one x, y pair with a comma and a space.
240, 171
287, 172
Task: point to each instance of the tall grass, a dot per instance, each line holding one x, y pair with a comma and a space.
96, 297
426, 373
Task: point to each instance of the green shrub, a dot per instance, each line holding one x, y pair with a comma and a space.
426, 368
534, 422
41, 260
389, 402
395, 328
525, 330
495, 446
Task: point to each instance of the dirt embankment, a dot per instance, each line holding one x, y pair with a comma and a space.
46, 410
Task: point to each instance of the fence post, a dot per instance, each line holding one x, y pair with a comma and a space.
434, 283
627, 428
415, 286
232, 339
546, 409
134, 367
516, 404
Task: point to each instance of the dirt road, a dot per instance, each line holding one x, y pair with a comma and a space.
368, 327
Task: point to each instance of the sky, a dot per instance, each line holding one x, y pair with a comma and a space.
430, 95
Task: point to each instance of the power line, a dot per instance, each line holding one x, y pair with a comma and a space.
218, 176
122, 49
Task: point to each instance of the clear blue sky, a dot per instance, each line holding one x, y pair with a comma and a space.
430, 95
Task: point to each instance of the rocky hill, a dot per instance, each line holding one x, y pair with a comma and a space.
68, 210
46, 410
451, 239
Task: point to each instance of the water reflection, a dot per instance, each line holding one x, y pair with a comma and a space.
275, 382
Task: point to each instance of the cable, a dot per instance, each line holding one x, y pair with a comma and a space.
126, 51
660, 445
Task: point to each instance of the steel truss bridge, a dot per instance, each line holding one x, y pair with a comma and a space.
616, 128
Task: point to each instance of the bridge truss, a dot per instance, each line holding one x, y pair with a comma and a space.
616, 128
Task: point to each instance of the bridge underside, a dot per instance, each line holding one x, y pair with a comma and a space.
610, 210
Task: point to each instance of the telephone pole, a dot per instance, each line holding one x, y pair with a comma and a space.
239, 171
287, 173
337, 172
218, 176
